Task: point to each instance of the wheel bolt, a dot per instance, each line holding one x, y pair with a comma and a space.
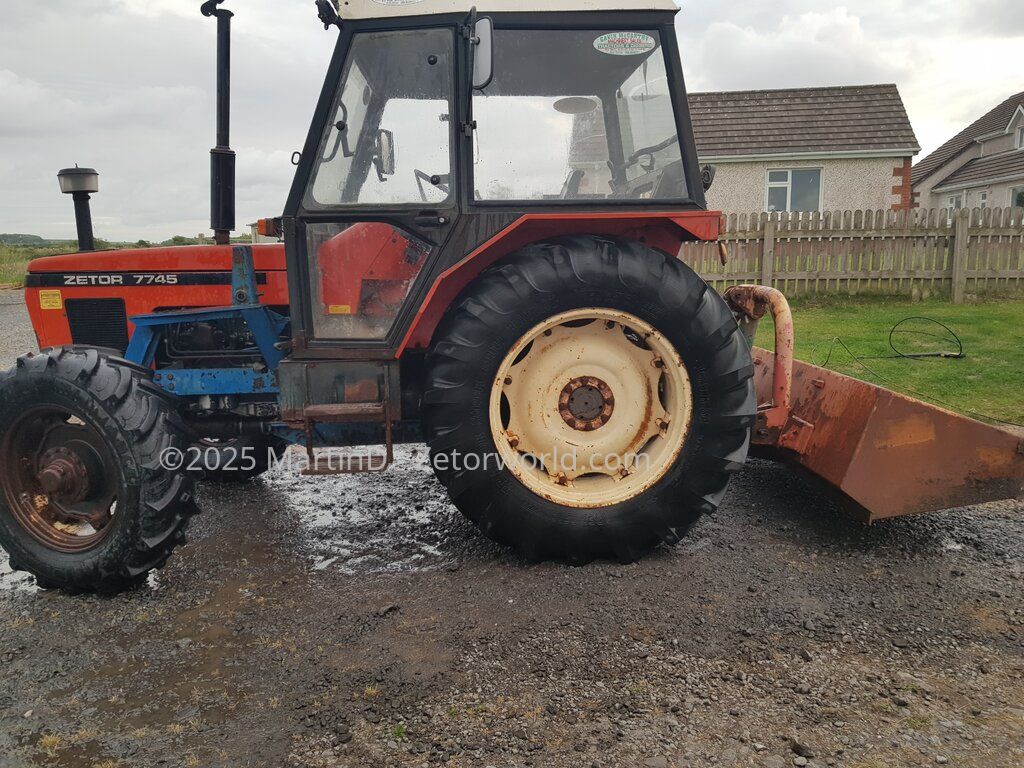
508, 381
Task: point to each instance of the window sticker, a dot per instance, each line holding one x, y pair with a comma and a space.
625, 43
50, 300
397, 2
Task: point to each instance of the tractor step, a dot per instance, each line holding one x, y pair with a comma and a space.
348, 413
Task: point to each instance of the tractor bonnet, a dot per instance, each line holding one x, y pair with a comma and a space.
373, 9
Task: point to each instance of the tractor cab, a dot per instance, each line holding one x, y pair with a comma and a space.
439, 126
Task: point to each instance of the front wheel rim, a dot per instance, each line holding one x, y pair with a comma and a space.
57, 478
591, 408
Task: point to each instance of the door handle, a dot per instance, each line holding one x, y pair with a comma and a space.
430, 220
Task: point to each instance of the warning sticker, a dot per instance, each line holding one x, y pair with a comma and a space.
50, 300
397, 2
625, 43
339, 309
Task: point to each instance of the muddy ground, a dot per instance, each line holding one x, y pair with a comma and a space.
361, 622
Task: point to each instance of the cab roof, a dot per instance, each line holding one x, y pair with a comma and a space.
376, 9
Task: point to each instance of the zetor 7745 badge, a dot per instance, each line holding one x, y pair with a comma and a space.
86, 279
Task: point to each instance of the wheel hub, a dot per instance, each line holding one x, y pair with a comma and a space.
586, 403
58, 477
64, 475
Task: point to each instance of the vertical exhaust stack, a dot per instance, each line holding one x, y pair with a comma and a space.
222, 158
81, 184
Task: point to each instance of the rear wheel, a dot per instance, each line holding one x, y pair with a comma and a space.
85, 503
588, 398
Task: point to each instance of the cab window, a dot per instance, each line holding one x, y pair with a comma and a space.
577, 115
389, 139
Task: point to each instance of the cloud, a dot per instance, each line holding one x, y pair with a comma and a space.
950, 64
127, 86
809, 49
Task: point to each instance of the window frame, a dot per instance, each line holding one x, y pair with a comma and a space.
1019, 136
517, 21
788, 186
310, 205
1014, 191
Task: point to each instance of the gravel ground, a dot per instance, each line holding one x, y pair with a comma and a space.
360, 622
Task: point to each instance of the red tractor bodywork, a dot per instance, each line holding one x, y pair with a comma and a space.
148, 280
367, 269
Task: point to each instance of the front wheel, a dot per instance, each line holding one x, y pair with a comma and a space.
588, 398
85, 504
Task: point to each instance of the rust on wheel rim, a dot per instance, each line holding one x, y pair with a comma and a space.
59, 478
591, 408
586, 403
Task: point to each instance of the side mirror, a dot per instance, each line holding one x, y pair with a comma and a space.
483, 54
707, 175
385, 153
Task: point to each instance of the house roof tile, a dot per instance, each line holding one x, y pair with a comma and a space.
863, 118
1004, 165
991, 122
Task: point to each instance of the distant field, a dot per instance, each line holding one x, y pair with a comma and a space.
987, 382
14, 260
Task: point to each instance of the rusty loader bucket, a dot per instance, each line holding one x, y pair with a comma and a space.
888, 454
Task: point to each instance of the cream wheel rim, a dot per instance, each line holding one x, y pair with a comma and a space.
591, 408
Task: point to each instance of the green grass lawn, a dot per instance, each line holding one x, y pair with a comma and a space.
990, 381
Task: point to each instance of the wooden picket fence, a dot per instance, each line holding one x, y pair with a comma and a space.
919, 253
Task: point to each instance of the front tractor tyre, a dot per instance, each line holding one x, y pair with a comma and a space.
588, 398
85, 503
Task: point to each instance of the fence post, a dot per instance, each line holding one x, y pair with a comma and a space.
768, 253
961, 237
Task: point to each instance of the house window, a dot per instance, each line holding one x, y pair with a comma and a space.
983, 200
1017, 197
798, 189
955, 202
1020, 137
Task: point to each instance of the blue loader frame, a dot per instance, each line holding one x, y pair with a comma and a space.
267, 328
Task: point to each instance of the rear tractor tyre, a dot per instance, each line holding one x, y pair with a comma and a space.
85, 503
588, 398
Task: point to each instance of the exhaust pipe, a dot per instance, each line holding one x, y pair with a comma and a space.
222, 158
81, 184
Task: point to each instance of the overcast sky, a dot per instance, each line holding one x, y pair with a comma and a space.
126, 86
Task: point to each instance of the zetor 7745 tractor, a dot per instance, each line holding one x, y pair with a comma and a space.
480, 245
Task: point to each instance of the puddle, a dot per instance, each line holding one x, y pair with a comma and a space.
397, 521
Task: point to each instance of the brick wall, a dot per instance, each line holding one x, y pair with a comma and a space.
903, 189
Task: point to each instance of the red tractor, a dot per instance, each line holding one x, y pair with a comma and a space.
480, 251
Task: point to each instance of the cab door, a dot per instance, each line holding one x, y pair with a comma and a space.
378, 192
